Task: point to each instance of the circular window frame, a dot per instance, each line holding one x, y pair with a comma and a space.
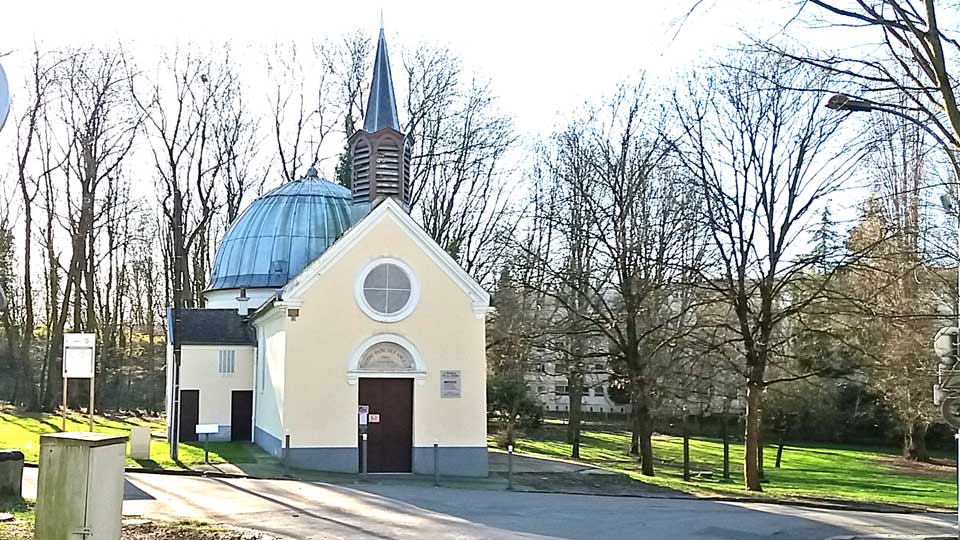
376, 315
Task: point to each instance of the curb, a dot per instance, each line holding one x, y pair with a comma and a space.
754, 500
181, 472
839, 506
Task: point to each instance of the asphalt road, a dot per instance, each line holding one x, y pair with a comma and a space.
322, 511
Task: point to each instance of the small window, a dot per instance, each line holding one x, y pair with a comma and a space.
541, 368
598, 391
228, 361
562, 389
541, 389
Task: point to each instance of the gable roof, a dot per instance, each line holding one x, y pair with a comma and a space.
211, 327
293, 292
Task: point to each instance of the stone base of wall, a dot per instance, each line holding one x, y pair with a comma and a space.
454, 461
268, 442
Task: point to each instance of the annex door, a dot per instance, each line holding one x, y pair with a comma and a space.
390, 427
189, 415
241, 415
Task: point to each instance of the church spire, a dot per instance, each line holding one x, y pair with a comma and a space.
380, 154
382, 103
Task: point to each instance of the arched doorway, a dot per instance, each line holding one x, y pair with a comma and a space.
385, 373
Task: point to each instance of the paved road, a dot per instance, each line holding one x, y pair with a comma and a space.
392, 512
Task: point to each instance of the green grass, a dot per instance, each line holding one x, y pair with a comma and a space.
22, 431
818, 472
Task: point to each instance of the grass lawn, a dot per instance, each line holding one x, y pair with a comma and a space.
821, 472
22, 431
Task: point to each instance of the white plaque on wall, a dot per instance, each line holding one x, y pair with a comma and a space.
79, 351
450, 383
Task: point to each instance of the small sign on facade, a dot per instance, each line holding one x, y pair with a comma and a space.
364, 411
450, 383
374, 418
79, 351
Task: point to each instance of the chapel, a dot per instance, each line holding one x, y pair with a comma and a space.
331, 314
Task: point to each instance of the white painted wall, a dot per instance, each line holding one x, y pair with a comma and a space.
269, 392
199, 370
319, 405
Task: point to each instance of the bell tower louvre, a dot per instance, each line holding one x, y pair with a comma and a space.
380, 152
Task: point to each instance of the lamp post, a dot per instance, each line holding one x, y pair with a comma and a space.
843, 102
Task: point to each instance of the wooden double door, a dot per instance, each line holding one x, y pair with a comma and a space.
390, 424
241, 415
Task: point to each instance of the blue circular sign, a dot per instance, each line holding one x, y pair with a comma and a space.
4, 97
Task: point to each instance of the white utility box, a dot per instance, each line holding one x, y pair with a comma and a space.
80, 486
140, 442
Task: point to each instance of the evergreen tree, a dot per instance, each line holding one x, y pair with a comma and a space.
344, 169
826, 243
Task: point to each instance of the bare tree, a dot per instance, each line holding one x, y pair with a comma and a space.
916, 59
462, 189
42, 89
622, 217
182, 120
304, 109
763, 155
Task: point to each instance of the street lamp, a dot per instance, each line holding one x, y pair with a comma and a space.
843, 102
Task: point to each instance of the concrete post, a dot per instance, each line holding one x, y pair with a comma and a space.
510, 467
11, 473
363, 469
140, 442
686, 450
726, 452
436, 464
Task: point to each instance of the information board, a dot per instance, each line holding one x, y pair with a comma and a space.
450, 383
79, 351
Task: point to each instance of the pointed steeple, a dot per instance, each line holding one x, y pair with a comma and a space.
380, 154
382, 104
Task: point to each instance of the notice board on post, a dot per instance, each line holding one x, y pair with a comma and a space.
79, 351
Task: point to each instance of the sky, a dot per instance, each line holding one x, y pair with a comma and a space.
543, 58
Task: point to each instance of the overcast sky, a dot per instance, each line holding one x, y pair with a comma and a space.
543, 57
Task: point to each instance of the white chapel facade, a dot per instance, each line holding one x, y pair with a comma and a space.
324, 300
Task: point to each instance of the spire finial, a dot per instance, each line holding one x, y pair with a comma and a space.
381, 20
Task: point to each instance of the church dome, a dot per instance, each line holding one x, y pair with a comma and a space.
280, 233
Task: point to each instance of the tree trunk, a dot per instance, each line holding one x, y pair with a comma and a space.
915, 442
644, 428
575, 394
751, 469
